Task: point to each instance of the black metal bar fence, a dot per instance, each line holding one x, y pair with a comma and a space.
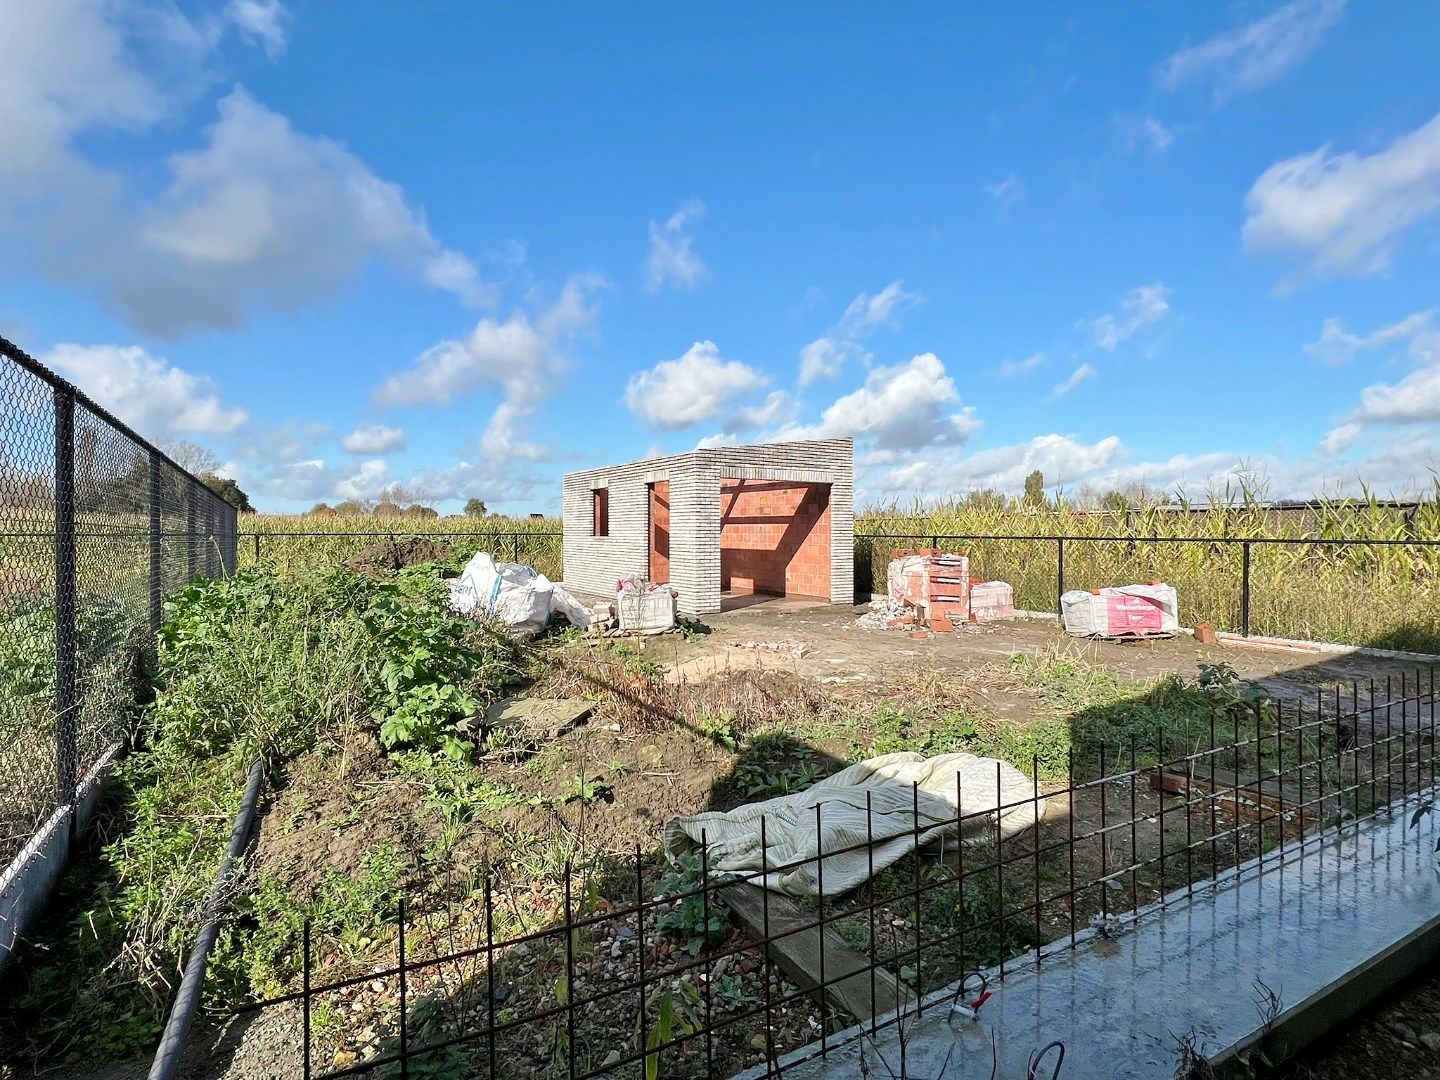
1320, 589
97, 527
600, 977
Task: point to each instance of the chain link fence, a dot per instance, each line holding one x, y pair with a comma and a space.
97, 526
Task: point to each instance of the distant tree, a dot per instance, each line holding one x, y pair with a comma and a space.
351, 508
387, 508
1116, 502
986, 499
228, 490
193, 458
475, 508
415, 510
322, 509
1035, 490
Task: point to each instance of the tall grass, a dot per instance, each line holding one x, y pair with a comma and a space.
290, 542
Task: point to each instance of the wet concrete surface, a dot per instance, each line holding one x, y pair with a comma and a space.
1272, 955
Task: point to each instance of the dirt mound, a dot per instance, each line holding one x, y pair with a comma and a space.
396, 554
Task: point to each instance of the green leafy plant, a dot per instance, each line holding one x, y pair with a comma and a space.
696, 921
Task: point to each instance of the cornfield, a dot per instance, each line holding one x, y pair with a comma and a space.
1382, 595
292, 541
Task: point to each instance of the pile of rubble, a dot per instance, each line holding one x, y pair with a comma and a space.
889, 614
788, 645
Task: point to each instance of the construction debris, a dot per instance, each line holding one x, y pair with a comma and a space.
789, 645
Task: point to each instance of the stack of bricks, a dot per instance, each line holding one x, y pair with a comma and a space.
936, 583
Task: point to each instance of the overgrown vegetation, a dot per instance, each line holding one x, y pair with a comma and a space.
263, 664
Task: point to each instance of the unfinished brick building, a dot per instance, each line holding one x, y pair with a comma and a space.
732, 521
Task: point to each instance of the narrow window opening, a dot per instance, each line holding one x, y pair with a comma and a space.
600, 505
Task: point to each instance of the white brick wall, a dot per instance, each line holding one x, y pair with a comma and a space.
592, 564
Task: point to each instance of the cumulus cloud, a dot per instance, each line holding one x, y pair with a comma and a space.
1254, 55
1140, 307
901, 408
672, 261
150, 394
1342, 213
826, 356
373, 439
526, 358
1078, 376
258, 216
695, 387
1414, 399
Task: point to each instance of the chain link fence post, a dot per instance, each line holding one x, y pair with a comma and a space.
157, 570
192, 554
66, 695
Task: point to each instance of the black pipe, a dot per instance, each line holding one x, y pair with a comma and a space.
187, 1000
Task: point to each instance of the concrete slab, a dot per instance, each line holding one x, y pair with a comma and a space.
1272, 955
538, 719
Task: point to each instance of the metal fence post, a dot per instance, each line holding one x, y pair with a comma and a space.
66, 698
517, 547
257, 549
156, 564
1060, 576
192, 549
1245, 588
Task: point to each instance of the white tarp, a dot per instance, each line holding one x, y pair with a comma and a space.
514, 594
890, 782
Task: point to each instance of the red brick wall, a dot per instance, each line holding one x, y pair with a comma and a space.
660, 531
775, 538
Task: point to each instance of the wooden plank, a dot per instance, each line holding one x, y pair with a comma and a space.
847, 971
1265, 799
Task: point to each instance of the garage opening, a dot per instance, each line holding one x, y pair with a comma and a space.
775, 539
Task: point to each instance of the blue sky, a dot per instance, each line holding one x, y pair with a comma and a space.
471, 247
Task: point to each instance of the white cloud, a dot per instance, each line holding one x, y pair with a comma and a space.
1078, 376
258, 216
672, 260
1139, 308
153, 396
1011, 368
1061, 458
1255, 55
777, 408
1341, 438
826, 356
1341, 214
526, 359
365, 482
1065, 461
1337, 346
503, 439
899, 409
1414, 398
1144, 131
693, 388
261, 22
1007, 192
373, 439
